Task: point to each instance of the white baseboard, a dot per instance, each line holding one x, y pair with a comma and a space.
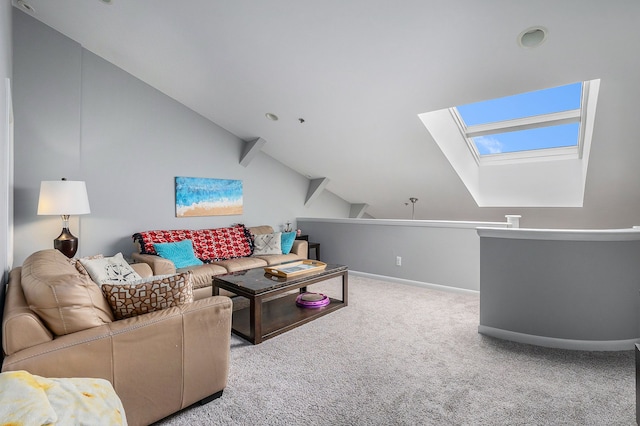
553, 342
414, 283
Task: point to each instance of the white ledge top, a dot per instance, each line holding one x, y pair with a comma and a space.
627, 234
406, 222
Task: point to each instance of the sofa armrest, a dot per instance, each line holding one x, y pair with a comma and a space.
159, 265
301, 248
21, 327
158, 363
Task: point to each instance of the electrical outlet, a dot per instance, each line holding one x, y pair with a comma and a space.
398, 261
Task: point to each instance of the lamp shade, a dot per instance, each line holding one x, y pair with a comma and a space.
63, 197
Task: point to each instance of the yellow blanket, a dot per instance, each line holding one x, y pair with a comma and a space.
27, 399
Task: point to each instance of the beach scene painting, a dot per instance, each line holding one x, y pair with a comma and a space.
208, 197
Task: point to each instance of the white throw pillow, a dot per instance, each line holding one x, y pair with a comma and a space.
141, 280
110, 269
267, 243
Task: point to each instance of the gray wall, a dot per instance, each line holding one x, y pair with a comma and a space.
81, 117
6, 216
566, 291
6, 153
440, 253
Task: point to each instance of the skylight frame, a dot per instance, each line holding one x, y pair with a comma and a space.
537, 121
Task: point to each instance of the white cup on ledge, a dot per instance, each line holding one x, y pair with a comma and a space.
513, 220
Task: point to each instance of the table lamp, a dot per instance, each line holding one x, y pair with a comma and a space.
64, 198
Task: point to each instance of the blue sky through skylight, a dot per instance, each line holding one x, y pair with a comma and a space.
526, 140
547, 101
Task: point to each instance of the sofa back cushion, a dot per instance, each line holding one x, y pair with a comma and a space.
66, 300
208, 244
263, 229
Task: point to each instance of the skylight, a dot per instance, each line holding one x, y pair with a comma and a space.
544, 120
526, 150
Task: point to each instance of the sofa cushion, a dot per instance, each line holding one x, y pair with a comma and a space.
276, 259
287, 241
235, 265
180, 253
202, 274
267, 243
66, 300
152, 294
261, 229
115, 268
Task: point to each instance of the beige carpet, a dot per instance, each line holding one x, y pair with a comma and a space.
404, 355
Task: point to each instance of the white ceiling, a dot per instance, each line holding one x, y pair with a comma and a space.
360, 71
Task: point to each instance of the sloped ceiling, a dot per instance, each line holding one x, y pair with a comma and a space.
360, 71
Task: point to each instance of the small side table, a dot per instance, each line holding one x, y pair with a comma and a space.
314, 246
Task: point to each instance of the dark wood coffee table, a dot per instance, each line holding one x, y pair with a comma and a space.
271, 310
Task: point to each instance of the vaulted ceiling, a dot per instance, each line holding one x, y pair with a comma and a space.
358, 72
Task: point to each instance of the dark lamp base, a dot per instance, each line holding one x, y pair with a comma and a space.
67, 243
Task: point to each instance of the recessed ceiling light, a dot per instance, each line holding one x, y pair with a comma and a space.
106, 1
532, 37
271, 116
25, 6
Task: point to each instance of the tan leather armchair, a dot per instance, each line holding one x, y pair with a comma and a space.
158, 363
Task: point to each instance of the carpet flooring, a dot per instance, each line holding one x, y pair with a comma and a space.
405, 355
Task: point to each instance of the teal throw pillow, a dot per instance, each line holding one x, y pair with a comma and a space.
180, 253
286, 241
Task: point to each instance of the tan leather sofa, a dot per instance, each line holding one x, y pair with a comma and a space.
158, 363
202, 274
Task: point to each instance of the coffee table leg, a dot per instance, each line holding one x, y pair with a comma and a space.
345, 288
255, 320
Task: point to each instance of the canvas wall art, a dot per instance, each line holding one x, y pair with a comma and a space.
208, 197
